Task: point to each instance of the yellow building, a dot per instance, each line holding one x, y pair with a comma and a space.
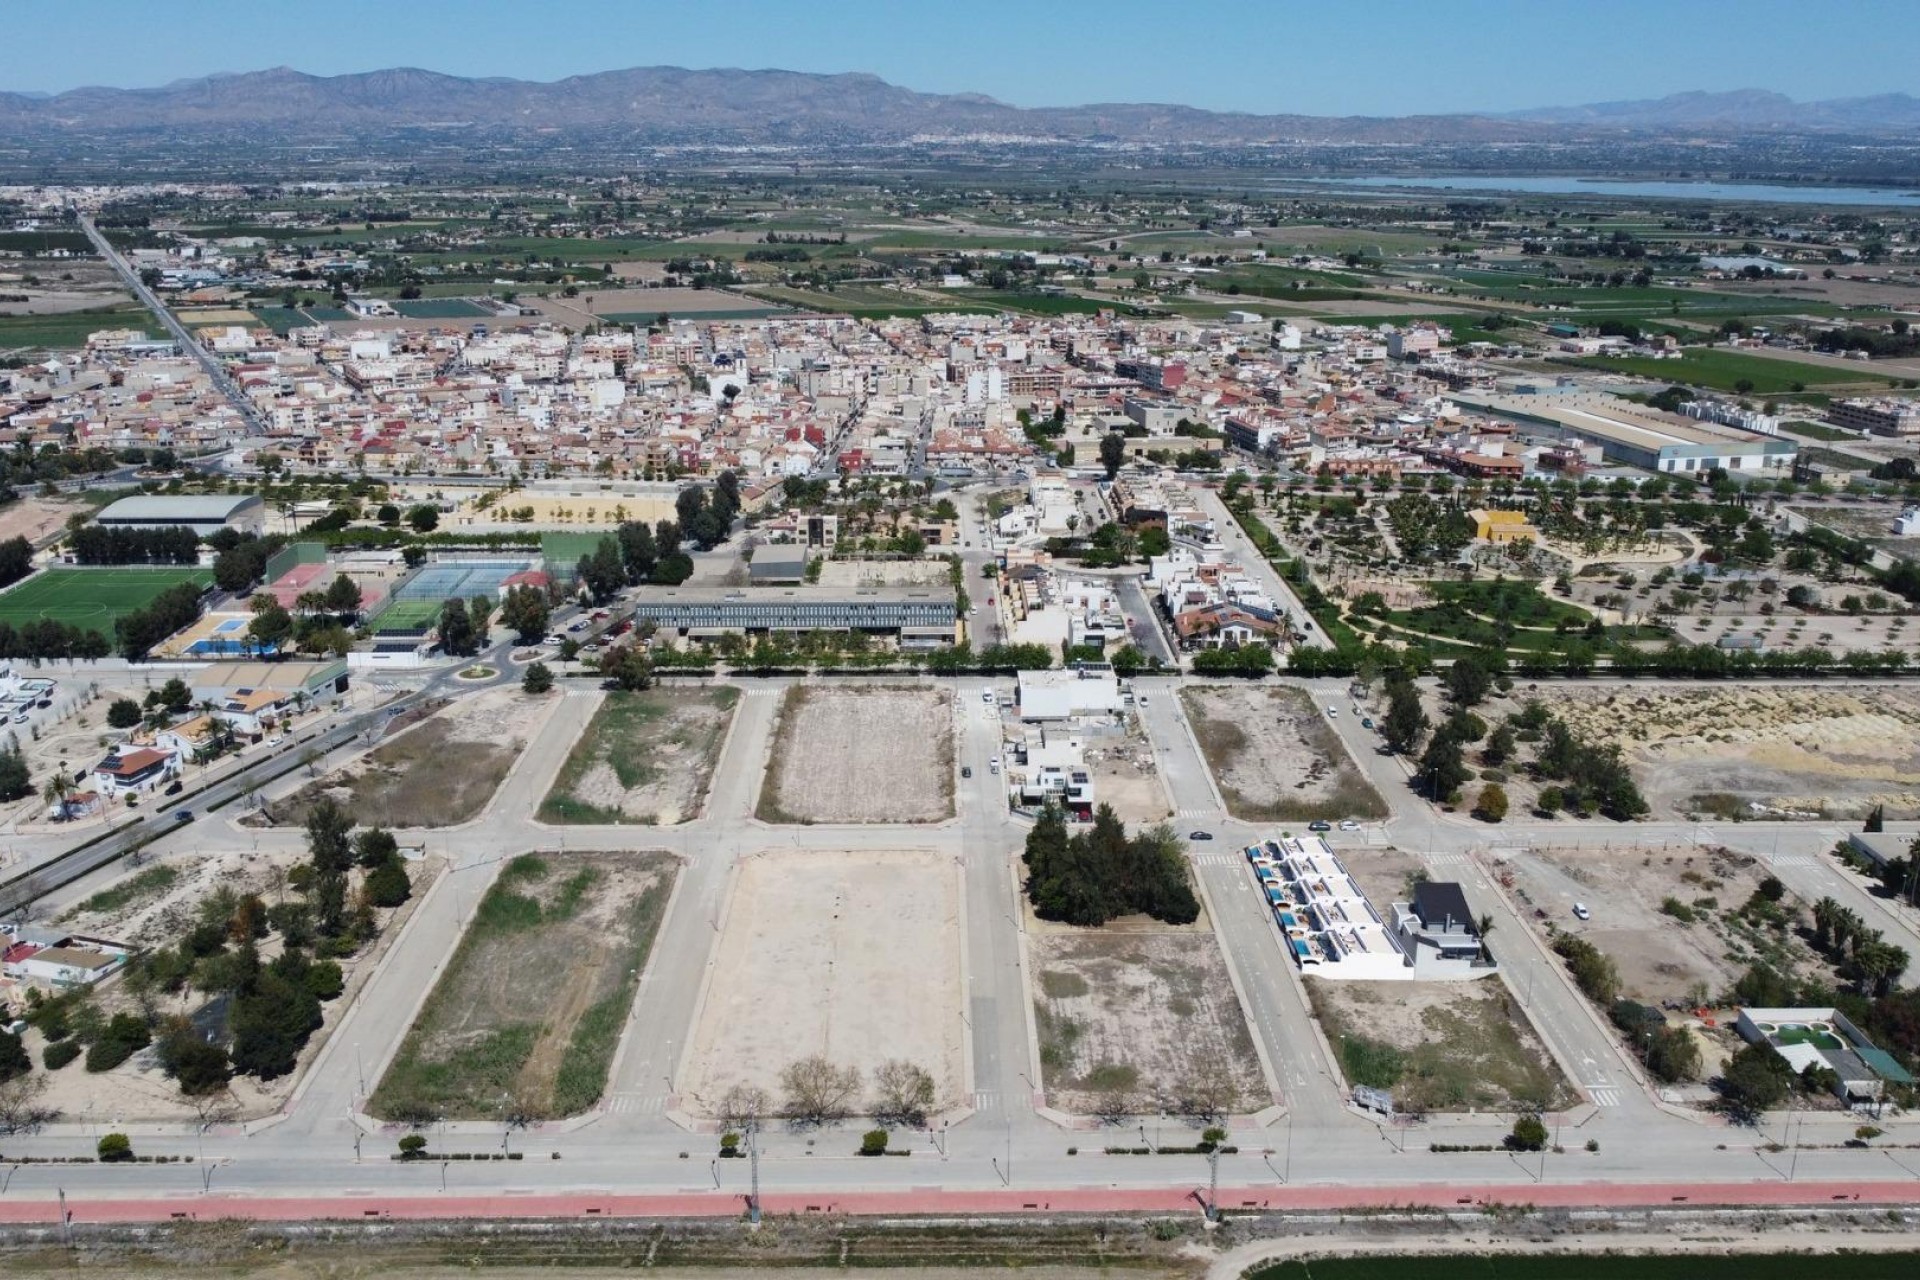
1501, 527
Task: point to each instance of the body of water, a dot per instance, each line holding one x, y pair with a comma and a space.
1759, 192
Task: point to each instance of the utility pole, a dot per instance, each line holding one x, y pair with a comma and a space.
753, 1161
66, 1220
1213, 1185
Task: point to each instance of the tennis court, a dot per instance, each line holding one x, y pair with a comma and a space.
92, 599
416, 602
408, 617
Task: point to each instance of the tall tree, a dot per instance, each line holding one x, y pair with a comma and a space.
457, 636
1113, 452
330, 853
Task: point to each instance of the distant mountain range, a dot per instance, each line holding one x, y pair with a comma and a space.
673, 103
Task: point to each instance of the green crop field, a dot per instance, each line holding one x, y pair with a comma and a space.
93, 599
439, 309
1724, 370
67, 330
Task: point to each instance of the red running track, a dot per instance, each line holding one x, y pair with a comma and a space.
1080, 1200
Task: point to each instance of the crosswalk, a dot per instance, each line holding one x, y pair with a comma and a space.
1448, 860
1216, 859
1794, 860
1604, 1097
764, 691
577, 691
986, 1099
637, 1104
1196, 812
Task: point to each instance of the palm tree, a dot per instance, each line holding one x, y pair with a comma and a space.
57, 789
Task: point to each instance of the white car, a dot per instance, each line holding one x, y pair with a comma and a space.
987, 697
1580, 911
993, 762
1332, 712
1348, 824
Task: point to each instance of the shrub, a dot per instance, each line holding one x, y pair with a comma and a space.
123, 1035
873, 1142
1492, 805
1529, 1134
413, 1147
1678, 910
388, 885
114, 1148
60, 1054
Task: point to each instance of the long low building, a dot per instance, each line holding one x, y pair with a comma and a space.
204, 514
1641, 437
918, 617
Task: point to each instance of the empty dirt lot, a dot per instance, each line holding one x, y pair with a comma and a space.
1138, 1020
530, 1008
644, 757
1805, 750
882, 754
1663, 958
853, 956
439, 772
1274, 756
1439, 1046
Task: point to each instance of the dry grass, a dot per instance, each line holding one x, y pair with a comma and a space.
1275, 758
873, 754
645, 757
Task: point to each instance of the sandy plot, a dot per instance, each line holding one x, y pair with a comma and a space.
1126, 776
884, 573
644, 757
876, 754
1662, 959
35, 518
854, 956
1439, 1046
1811, 750
1131, 1022
1274, 757
437, 772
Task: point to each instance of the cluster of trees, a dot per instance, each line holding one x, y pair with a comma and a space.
1243, 660
16, 560
1670, 1052
706, 515
463, 625
526, 612
1090, 877
99, 544
47, 639
166, 613
1898, 341
635, 553
1709, 662
240, 559
1590, 776
1863, 954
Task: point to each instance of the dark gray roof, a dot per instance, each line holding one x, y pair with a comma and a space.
1438, 901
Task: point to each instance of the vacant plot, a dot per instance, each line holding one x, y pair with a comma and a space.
1669, 917
1734, 371
93, 599
1137, 1021
439, 772
861, 755
1126, 776
1439, 1046
645, 757
1275, 757
528, 1014
851, 956
1806, 751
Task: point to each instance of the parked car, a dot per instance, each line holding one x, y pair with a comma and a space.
1332, 712
1199, 835
986, 695
1366, 722
1319, 824
1580, 911
175, 787
966, 771
1348, 824
993, 762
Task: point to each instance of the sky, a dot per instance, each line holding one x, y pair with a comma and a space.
1318, 57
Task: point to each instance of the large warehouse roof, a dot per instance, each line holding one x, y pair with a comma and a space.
179, 507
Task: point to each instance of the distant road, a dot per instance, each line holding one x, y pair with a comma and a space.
215, 370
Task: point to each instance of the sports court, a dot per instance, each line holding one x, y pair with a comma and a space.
416, 602
92, 598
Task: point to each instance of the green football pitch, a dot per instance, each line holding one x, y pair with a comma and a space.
93, 599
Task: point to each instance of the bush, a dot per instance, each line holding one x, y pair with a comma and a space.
1678, 910
873, 1142
123, 1035
1492, 805
1529, 1134
324, 980
114, 1148
388, 885
123, 713
60, 1054
413, 1147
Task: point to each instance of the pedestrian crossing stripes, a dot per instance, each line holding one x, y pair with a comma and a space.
986, 1099
1201, 812
1604, 1097
637, 1104
1447, 860
1795, 860
575, 691
764, 691
1216, 859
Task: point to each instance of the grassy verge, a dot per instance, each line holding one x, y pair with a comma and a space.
136, 888
528, 1013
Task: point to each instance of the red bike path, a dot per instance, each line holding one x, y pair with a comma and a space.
430, 1205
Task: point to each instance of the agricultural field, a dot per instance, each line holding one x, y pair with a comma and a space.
435, 771
528, 1014
1275, 758
1831, 751
1439, 1046
1139, 1020
644, 757
66, 330
1724, 370
439, 309
875, 754
866, 302
855, 957
93, 599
